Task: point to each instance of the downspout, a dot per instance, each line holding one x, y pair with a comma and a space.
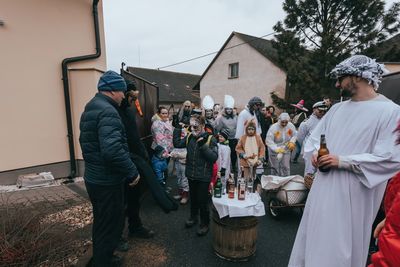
64, 66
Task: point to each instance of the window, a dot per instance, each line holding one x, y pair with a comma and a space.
233, 70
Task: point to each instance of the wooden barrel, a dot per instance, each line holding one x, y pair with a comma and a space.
235, 238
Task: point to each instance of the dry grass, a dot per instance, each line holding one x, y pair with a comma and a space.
28, 238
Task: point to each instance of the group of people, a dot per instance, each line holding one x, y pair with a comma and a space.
341, 206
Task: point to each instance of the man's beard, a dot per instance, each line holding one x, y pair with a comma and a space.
349, 90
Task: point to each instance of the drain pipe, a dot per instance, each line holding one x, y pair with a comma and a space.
64, 65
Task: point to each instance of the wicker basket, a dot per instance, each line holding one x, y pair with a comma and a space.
308, 180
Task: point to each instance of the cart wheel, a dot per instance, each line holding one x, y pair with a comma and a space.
273, 211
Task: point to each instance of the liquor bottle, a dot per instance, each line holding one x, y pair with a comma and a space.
221, 174
218, 189
241, 188
323, 150
231, 186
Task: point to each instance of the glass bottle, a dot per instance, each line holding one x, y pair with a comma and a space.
218, 188
241, 188
231, 186
323, 150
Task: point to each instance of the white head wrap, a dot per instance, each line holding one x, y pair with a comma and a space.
284, 117
361, 66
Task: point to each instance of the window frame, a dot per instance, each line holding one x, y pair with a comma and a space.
230, 70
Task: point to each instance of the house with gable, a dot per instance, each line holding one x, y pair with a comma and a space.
244, 67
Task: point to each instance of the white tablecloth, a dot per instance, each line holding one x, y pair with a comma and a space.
251, 206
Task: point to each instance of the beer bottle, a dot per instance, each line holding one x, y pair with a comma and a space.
218, 188
231, 187
323, 150
241, 189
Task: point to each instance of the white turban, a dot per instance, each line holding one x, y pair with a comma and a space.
284, 117
361, 66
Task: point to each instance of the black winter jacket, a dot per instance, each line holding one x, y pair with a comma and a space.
199, 159
103, 143
128, 117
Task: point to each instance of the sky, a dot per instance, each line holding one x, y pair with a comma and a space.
156, 33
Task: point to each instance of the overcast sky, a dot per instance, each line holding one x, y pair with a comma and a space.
157, 33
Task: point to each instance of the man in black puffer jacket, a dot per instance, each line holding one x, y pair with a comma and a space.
202, 153
107, 166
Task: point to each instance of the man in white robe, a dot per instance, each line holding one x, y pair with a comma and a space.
336, 226
247, 114
305, 130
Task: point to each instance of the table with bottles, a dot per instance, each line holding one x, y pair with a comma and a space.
234, 219
237, 200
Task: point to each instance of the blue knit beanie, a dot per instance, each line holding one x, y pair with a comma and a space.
111, 81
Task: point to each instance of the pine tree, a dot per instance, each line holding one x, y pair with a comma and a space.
317, 34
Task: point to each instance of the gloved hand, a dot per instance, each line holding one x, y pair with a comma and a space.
175, 121
280, 150
202, 138
291, 146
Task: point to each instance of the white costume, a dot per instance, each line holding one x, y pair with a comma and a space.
336, 226
277, 138
304, 132
243, 117
224, 161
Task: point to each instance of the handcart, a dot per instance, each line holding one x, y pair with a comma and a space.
290, 193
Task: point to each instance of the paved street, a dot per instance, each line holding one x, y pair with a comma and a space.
176, 246
173, 245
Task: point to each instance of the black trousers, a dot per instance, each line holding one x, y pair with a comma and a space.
108, 220
132, 203
232, 145
199, 201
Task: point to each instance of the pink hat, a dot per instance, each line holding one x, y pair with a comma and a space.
300, 105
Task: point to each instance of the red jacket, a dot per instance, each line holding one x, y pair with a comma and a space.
389, 238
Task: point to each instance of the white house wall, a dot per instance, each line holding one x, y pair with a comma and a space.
258, 76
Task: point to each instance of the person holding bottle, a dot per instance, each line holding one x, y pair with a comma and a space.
343, 202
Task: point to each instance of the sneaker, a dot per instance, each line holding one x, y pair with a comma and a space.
123, 246
203, 230
190, 222
177, 197
184, 200
141, 232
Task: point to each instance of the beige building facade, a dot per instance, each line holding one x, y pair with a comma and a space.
36, 36
257, 75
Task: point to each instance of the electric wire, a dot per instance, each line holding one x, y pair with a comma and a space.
213, 53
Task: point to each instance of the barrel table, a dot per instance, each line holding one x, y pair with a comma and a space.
234, 238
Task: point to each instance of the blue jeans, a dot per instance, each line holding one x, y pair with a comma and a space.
159, 166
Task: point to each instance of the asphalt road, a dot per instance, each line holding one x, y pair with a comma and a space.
174, 245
